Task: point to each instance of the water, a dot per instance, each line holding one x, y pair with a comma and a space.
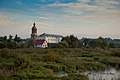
61, 74
111, 74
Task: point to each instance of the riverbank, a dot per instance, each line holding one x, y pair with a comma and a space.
44, 64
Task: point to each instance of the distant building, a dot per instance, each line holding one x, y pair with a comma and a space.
50, 38
34, 32
42, 40
40, 44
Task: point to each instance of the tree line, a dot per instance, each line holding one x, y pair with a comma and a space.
73, 42
66, 42
11, 42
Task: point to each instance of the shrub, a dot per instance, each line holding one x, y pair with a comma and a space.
75, 77
19, 77
116, 53
52, 56
54, 67
11, 45
22, 61
5, 53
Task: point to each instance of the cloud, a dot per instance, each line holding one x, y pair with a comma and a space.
81, 17
5, 20
83, 1
19, 2
45, 24
45, 18
103, 9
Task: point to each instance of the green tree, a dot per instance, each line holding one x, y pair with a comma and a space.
64, 44
17, 39
10, 38
1, 38
71, 40
5, 38
11, 45
31, 43
3, 44
100, 42
74, 41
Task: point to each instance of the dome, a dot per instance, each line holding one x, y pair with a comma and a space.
34, 27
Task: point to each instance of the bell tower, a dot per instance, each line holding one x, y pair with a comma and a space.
34, 32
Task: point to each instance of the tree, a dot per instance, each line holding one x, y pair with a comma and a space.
5, 38
31, 43
10, 38
71, 40
85, 42
100, 42
112, 45
17, 39
3, 45
11, 45
74, 41
64, 44
1, 39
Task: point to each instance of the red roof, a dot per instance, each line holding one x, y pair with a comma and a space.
39, 42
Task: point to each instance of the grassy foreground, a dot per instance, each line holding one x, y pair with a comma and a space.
44, 64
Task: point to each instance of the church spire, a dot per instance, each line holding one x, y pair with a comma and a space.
34, 32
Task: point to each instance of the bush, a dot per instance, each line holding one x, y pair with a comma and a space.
116, 53
52, 56
54, 67
11, 45
75, 77
5, 53
22, 61
19, 77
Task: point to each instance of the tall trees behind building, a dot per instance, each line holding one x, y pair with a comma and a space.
71, 41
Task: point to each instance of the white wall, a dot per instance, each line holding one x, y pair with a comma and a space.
50, 39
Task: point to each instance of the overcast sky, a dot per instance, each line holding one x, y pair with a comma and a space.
82, 18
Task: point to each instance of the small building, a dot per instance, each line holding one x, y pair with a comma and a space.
40, 44
50, 38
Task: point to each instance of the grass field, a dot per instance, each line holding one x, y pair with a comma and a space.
44, 64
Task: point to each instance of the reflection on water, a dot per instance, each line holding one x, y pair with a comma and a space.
111, 74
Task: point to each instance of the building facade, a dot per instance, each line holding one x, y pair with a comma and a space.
42, 40
50, 38
40, 44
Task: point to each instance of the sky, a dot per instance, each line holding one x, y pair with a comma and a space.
82, 18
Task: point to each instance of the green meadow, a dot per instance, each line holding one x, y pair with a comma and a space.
45, 64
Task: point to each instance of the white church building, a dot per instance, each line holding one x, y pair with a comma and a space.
42, 40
